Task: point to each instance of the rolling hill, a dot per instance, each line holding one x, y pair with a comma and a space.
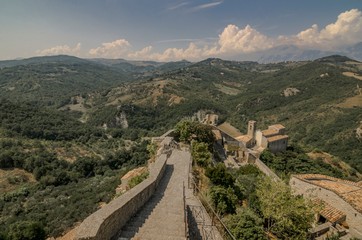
316, 100
70, 127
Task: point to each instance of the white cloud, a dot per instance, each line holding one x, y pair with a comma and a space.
207, 5
180, 5
346, 30
61, 49
116, 49
233, 40
141, 54
242, 40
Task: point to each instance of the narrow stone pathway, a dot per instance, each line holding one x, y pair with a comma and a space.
162, 217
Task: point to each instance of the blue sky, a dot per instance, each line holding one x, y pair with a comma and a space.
174, 29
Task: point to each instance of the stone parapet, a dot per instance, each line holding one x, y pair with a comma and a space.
107, 221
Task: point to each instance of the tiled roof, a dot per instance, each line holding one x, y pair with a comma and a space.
269, 132
349, 191
277, 138
244, 138
330, 213
277, 126
229, 130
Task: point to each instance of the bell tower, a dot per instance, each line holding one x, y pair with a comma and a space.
251, 129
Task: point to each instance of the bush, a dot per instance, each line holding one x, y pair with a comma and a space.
219, 175
26, 230
246, 225
223, 199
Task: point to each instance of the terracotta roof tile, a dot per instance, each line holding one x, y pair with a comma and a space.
349, 191
277, 138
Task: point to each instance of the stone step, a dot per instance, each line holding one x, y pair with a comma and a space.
162, 217
158, 236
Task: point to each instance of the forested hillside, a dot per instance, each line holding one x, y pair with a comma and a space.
319, 102
69, 127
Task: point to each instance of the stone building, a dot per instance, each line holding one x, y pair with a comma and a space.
346, 196
273, 138
243, 147
211, 119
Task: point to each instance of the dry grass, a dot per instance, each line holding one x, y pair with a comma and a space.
352, 74
72, 153
351, 102
174, 99
227, 90
11, 179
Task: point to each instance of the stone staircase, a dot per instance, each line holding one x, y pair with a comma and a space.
162, 217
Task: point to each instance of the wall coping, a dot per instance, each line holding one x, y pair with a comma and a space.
90, 227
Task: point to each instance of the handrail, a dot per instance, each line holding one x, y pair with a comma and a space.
209, 207
185, 213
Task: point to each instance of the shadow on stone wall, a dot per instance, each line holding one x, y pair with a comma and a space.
140, 218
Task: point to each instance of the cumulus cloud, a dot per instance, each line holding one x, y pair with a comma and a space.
243, 40
61, 49
233, 40
346, 30
116, 49
144, 53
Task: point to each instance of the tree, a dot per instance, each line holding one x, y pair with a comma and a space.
287, 216
187, 131
245, 224
26, 230
200, 153
219, 175
183, 131
223, 199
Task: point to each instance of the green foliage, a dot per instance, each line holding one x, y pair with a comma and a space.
137, 179
287, 216
66, 192
152, 149
200, 153
53, 82
56, 208
220, 176
245, 224
187, 131
33, 122
223, 199
296, 161
246, 181
249, 169
26, 230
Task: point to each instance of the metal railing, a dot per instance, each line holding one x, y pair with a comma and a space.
185, 213
215, 218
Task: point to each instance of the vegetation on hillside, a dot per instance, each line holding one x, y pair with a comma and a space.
251, 204
296, 161
77, 164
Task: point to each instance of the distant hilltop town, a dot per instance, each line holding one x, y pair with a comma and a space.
246, 147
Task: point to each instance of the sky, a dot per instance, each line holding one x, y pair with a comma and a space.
173, 30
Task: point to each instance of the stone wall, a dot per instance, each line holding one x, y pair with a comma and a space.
354, 218
107, 221
264, 168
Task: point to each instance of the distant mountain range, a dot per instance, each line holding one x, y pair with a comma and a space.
294, 53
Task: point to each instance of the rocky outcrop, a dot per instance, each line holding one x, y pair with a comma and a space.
359, 132
290, 92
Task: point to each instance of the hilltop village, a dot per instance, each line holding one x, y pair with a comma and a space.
339, 201
245, 148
